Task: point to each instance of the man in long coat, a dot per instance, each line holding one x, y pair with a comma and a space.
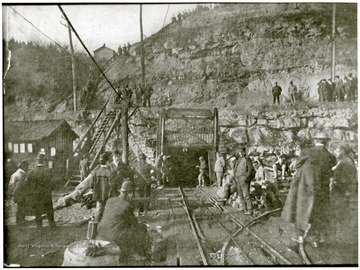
276, 92
17, 188
309, 195
40, 192
244, 172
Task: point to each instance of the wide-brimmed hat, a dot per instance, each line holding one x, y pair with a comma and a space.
321, 135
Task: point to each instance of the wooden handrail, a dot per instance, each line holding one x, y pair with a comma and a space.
105, 140
91, 126
98, 137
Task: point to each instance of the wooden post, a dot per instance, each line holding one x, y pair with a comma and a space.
142, 49
73, 68
333, 43
162, 139
124, 134
216, 129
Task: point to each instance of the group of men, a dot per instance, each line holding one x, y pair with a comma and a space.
338, 90
292, 92
138, 95
31, 190
113, 185
124, 50
322, 186
328, 90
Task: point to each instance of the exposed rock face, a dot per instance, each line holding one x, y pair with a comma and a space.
261, 130
234, 49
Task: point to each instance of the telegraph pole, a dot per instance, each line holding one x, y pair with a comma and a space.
142, 49
333, 43
73, 67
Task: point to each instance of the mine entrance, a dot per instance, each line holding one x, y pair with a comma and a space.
183, 163
187, 134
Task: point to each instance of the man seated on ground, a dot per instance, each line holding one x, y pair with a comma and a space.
120, 226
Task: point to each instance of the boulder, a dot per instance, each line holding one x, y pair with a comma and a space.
291, 123
239, 135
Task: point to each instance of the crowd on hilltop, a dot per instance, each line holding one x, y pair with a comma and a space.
338, 90
328, 90
124, 50
199, 8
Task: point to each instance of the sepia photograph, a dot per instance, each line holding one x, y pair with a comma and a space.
173, 134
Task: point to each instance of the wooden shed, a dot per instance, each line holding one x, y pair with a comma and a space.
24, 140
103, 53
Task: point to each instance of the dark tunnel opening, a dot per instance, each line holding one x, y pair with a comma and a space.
183, 162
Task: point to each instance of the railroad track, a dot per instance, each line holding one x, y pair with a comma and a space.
247, 247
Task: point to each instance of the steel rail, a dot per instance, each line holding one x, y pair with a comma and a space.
201, 250
230, 234
236, 221
252, 222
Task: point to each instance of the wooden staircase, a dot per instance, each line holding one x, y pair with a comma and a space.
92, 143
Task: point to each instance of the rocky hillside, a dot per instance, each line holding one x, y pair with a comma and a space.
237, 49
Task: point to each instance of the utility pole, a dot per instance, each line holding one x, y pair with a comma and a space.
124, 131
333, 43
142, 50
73, 67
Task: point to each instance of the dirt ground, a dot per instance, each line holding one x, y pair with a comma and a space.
26, 246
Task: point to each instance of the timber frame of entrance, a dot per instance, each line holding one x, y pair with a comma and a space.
185, 137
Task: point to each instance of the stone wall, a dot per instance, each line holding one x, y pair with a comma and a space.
260, 128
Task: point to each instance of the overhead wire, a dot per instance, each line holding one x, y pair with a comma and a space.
45, 35
86, 49
64, 49
166, 15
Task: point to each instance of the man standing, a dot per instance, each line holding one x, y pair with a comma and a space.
219, 168
147, 92
84, 167
101, 177
202, 169
17, 188
244, 171
116, 179
120, 225
309, 196
339, 89
40, 192
343, 188
276, 92
9, 169
322, 90
292, 92
143, 180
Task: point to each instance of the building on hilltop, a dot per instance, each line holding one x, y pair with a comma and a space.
24, 140
104, 53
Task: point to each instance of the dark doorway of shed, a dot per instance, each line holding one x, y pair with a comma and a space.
183, 162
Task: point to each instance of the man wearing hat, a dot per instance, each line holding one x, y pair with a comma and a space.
120, 225
40, 192
120, 172
309, 195
143, 179
101, 185
17, 188
276, 92
244, 172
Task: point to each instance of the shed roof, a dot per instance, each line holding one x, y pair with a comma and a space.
103, 47
35, 130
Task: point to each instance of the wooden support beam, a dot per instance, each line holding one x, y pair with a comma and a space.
175, 113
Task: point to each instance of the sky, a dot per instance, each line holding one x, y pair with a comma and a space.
96, 24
